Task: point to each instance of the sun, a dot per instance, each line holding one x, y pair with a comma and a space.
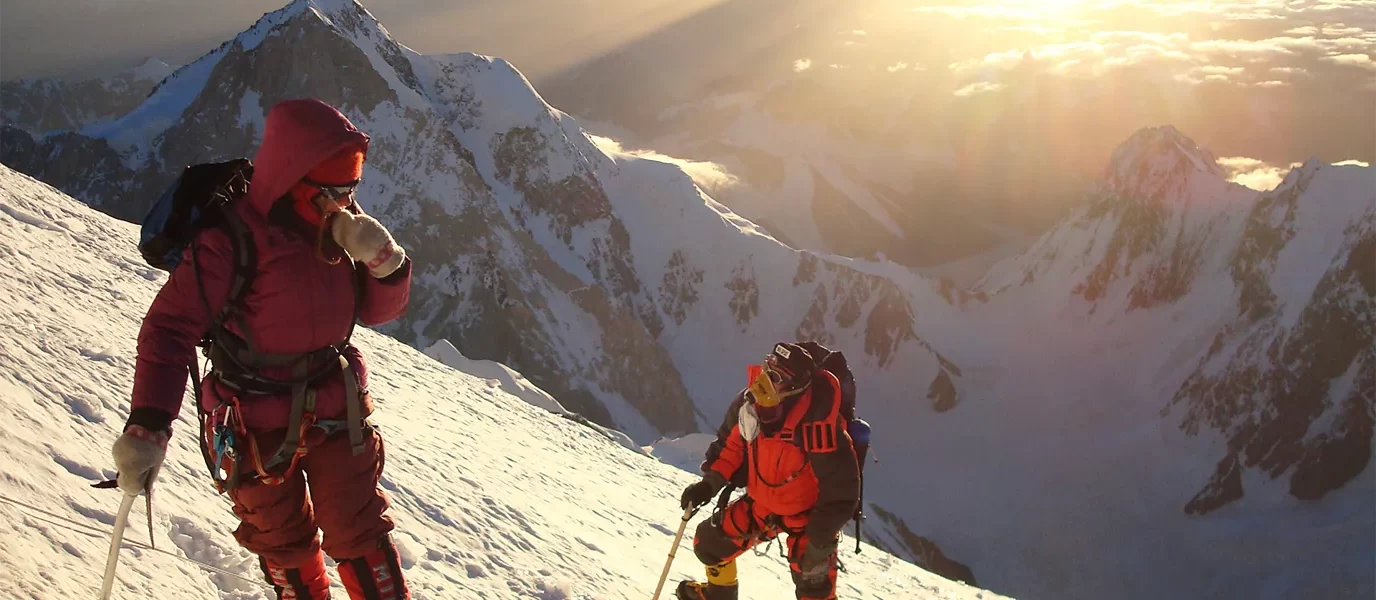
1050, 8
1058, 6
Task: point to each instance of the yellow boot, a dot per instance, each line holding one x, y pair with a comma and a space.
721, 584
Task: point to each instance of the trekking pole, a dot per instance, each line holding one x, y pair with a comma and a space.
152, 541
116, 539
687, 516
148, 498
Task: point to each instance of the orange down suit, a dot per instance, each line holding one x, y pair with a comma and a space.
801, 478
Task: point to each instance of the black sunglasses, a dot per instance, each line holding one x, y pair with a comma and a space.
334, 192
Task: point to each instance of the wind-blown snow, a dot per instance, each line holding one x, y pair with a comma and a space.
150, 68
496, 373
686, 452
511, 382
494, 497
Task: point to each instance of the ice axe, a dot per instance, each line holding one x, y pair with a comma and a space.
117, 536
116, 539
148, 501
687, 516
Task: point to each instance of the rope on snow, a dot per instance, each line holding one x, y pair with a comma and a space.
75, 525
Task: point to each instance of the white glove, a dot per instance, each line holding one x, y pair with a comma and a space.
138, 456
368, 242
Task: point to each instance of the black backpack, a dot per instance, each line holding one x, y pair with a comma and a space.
201, 197
834, 362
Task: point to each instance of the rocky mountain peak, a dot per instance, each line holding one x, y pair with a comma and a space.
1157, 163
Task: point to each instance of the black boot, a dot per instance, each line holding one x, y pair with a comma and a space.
694, 590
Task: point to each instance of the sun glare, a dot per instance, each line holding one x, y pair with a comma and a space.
1053, 7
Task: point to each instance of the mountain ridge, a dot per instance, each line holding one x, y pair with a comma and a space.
46, 105
1022, 411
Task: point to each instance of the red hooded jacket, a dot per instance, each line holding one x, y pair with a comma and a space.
297, 303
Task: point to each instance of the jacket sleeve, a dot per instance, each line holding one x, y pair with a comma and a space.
838, 481
176, 321
385, 299
726, 454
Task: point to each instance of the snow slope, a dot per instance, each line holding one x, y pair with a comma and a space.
494, 497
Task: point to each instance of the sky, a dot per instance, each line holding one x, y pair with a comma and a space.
1075, 37
1276, 81
38, 37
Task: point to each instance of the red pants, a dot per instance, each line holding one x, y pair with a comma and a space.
743, 525
279, 522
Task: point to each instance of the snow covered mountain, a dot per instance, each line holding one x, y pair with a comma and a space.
494, 497
1281, 283
605, 278
1177, 377
41, 105
1076, 425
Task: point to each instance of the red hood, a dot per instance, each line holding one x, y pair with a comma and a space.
298, 135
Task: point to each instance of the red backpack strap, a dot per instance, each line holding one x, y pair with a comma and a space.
796, 417
822, 435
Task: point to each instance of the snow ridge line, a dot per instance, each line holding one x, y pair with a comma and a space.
77, 526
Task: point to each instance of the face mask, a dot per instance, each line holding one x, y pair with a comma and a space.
747, 421
764, 389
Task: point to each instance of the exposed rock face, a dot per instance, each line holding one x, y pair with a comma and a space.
1139, 232
877, 307
1163, 194
957, 295
1160, 213
42, 105
1291, 386
1224, 487
922, 551
942, 392
80, 166
679, 290
1285, 372
745, 295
